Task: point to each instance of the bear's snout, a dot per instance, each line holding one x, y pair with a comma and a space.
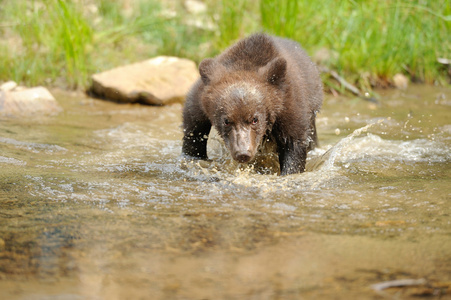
241, 144
242, 157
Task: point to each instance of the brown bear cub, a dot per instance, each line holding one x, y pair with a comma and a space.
263, 87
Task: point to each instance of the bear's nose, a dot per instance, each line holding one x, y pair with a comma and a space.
243, 157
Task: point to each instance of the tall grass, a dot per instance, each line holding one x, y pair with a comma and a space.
62, 42
53, 41
374, 39
73, 37
280, 17
230, 24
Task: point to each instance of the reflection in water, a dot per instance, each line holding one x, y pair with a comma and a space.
97, 204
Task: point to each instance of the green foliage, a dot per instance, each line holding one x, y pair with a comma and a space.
71, 35
280, 17
230, 24
373, 39
52, 38
379, 39
62, 42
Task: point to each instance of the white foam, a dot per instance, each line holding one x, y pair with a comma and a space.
373, 147
34, 147
13, 161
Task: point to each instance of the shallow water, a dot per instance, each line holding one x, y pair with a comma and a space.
95, 203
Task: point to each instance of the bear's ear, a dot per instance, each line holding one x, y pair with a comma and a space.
275, 71
206, 68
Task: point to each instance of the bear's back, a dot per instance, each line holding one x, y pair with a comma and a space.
301, 71
249, 54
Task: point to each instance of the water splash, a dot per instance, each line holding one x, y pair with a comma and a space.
328, 159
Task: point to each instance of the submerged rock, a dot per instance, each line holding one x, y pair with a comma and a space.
16, 100
156, 81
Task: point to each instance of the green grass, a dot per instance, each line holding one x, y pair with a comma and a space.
280, 17
63, 42
374, 40
52, 40
231, 24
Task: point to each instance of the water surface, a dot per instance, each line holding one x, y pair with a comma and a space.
95, 203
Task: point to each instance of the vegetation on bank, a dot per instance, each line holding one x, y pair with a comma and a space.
63, 42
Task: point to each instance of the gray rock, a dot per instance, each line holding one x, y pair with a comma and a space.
28, 101
158, 81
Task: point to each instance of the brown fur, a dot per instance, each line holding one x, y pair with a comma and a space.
261, 86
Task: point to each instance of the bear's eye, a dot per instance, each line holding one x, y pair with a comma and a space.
226, 122
254, 120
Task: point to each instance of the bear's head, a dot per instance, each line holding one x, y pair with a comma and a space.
243, 104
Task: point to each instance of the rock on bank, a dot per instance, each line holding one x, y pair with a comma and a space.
158, 81
21, 101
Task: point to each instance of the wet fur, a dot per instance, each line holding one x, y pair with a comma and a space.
263, 76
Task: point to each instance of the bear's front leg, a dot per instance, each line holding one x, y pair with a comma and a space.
292, 157
195, 139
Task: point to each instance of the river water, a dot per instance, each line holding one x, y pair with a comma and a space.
95, 203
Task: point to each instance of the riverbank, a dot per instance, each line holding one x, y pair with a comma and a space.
62, 43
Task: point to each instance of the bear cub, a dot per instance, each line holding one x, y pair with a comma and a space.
263, 87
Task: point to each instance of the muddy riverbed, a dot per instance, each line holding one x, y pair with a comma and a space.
95, 203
